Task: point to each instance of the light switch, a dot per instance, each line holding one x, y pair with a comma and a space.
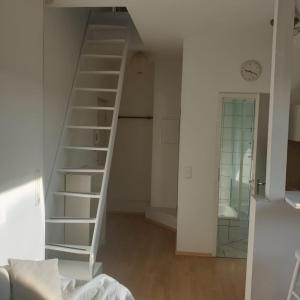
188, 172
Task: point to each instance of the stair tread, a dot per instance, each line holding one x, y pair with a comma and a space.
93, 107
74, 194
102, 56
88, 127
100, 72
99, 27
69, 248
95, 89
70, 220
86, 148
104, 41
80, 170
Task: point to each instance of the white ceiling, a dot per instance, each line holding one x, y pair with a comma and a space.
163, 24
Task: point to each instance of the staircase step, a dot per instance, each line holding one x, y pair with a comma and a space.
105, 56
106, 27
86, 148
94, 107
79, 270
67, 170
95, 90
105, 41
67, 220
78, 249
100, 72
81, 195
89, 127
296, 295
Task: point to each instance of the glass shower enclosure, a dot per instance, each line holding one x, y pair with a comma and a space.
237, 129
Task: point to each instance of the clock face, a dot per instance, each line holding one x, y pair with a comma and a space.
251, 70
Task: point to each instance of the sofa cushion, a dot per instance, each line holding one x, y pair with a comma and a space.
35, 280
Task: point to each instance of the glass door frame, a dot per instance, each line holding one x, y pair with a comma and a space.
221, 96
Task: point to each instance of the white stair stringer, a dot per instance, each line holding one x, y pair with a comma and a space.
104, 187
59, 168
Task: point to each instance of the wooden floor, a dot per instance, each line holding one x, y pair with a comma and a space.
141, 256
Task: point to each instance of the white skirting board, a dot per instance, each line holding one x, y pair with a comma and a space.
162, 215
127, 206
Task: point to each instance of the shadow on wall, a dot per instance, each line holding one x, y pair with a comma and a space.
20, 189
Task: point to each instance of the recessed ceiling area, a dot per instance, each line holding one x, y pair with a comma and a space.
163, 25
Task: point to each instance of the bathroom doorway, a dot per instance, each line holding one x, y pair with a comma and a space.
239, 132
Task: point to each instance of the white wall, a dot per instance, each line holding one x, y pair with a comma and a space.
130, 180
64, 28
277, 234
21, 121
167, 94
211, 64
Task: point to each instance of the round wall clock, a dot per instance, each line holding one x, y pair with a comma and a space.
251, 70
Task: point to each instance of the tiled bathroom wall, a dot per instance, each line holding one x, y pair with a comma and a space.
236, 149
235, 173
232, 238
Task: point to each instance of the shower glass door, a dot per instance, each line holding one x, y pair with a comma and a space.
237, 129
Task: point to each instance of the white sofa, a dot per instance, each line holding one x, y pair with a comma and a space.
4, 284
108, 287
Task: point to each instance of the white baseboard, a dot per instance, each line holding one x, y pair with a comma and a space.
127, 206
164, 216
